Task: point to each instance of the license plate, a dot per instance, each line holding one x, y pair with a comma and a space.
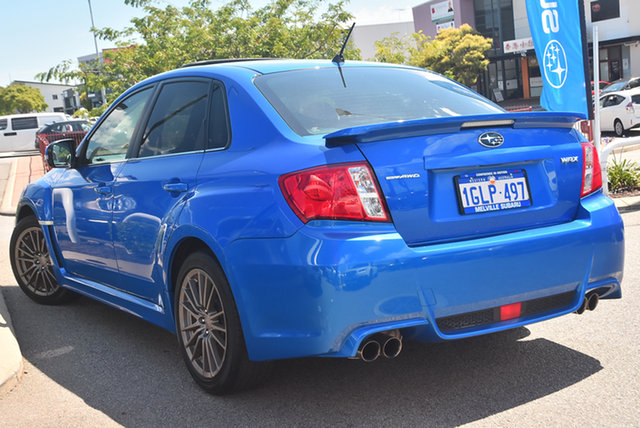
493, 191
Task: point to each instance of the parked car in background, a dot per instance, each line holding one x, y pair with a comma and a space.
620, 111
60, 130
601, 85
17, 131
274, 209
73, 129
622, 85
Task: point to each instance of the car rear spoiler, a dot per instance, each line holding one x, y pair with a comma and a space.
447, 125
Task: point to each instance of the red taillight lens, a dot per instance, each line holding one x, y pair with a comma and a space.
337, 192
591, 173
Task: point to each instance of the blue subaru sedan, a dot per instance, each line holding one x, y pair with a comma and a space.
275, 209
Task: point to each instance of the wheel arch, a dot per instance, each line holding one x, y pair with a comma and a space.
185, 240
183, 249
24, 211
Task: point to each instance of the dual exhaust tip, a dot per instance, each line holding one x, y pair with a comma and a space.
590, 302
387, 344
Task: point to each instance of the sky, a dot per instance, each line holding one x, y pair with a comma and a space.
39, 34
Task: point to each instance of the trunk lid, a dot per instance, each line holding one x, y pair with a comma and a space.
436, 175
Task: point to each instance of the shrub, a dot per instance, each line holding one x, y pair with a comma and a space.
624, 175
96, 112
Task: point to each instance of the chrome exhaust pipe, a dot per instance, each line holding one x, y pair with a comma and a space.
582, 307
369, 350
593, 300
392, 346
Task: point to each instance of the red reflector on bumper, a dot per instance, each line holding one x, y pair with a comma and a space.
508, 312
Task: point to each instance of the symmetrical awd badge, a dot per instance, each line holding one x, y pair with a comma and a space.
491, 139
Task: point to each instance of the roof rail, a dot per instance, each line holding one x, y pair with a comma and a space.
222, 61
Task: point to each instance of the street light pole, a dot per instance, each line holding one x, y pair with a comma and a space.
95, 41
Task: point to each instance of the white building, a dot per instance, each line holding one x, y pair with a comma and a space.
365, 36
60, 98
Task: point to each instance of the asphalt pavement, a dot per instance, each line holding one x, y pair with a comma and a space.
86, 364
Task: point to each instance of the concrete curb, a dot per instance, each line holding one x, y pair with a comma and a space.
11, 365
631, 203
7, 197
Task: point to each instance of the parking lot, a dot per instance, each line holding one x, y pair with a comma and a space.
88, 364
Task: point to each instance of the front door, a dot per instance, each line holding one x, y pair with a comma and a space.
83, 197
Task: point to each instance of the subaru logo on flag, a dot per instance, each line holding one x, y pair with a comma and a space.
491, 139
555, 64
557, 33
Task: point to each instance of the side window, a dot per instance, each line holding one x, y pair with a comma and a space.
3, 124
177, 122
20, 123
218, 120
634, 83
111, 140
635, 99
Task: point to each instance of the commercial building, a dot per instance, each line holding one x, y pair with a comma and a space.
60, 98
513, 73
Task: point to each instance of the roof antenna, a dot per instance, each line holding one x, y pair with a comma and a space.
338, 59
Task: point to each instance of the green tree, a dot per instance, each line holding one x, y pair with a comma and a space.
166, 38
17, 98
392, 49
458, 53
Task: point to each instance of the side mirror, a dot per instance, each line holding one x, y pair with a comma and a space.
61, 154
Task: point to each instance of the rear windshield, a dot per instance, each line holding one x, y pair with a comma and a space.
616, 86
319, 101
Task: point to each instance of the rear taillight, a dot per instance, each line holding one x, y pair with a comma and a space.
591, 173
336, 192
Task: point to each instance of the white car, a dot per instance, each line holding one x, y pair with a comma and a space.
620, 111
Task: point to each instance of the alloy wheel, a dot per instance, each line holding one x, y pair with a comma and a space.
202, 323
619, 129
33, 263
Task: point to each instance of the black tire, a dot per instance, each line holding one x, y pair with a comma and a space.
32, 265
209, 331
618, 128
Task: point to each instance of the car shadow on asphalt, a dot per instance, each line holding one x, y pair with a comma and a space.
132, 371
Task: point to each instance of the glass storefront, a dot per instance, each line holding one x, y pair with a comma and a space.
610, 63
503, 78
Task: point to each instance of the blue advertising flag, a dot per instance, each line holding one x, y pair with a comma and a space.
557, 38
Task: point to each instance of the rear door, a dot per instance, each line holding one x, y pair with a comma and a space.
156, 182
22, 133
607, 112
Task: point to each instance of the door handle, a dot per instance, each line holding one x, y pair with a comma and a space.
10, 134
103, 190
176, 187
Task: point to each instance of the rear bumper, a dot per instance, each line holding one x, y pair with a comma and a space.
327, 287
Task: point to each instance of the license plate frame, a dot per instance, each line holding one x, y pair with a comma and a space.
483, 180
